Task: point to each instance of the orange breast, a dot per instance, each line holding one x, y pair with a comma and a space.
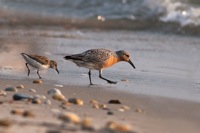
109, 62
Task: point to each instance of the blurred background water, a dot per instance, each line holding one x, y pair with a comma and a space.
176, 16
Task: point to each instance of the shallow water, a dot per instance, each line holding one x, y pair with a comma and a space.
166, 65
176, 16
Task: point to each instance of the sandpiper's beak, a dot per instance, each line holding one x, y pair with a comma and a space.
57, 70
131, 63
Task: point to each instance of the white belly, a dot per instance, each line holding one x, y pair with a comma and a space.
34, 63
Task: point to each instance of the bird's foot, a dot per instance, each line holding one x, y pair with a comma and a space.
112, 82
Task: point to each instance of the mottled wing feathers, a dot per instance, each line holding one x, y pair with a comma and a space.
41, 59
93, 55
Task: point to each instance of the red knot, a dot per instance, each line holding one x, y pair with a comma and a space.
39, 62
99, 59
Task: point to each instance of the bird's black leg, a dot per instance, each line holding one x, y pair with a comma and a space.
28, 69
38, 74
109, 81
89, 73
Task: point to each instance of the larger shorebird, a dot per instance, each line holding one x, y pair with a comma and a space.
39, 62
99, 59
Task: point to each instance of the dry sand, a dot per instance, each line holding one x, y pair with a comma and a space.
147, 114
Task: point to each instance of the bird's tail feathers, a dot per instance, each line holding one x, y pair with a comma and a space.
69, 57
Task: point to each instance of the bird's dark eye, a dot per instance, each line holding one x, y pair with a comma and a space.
127, 55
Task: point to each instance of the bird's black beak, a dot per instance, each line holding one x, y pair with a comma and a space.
131, 63
57, 70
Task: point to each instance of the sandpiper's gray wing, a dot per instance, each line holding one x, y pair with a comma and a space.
96, 55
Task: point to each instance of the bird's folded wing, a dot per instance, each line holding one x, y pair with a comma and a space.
41, 59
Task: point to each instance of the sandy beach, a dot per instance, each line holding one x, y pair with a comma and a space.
162, 95
145, 114
153, 98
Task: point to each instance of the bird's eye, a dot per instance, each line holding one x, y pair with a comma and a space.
127, 55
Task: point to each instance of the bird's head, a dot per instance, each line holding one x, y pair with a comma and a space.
53, 64
125, 56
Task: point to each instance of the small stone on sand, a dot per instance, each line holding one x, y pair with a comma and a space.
28, 114
93, 102
103, 106
48, 102
110, 113
118, 127
65, 103
54, 91
19, 96
36, 101
5, 123
114, 101
3, 93
58, 97
32, 90
76, 101
17, 111
138, 110
86, 124
20, 87
95, 106
124, 80
13, 89
69, 117
37, 81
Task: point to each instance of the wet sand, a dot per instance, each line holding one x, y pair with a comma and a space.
147, 114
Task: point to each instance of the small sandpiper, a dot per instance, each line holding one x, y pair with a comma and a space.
39, 62
99, 59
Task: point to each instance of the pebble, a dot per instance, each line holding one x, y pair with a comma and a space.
110, 113
94, 102
114, 101
32, 90
124, 80
76, 101
28, 114
48, 102
19, 96
86, 124
121, 110
58, 97
37, 81
138, 110
3, 93
21, 112
56, 85
17, 111
20, 87
118, 127
65, 103
54, 91
125, 107
36, 101
69, 117
95, 106
40, 96
5, 123
56, 111
13, 89
103, 106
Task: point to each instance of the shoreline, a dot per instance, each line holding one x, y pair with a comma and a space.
146, 114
